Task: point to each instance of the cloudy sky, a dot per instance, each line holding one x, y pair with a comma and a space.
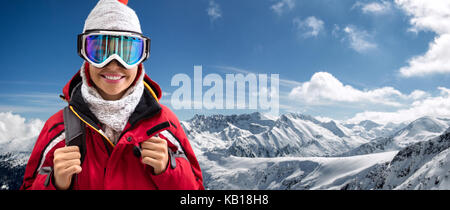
384, 60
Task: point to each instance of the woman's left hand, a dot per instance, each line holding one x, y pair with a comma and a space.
155, 154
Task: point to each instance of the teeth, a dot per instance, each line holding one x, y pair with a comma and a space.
113, 77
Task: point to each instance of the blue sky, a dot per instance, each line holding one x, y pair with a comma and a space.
378, 59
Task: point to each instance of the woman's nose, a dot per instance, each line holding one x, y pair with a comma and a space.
114, 64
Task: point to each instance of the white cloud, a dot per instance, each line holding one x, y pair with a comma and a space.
18, 134
376, 8
214, 11
310, 27
435, 60
283, 6
444, 91
418, 94
429, 16
325, 119
359, 40
325, 89
438, 106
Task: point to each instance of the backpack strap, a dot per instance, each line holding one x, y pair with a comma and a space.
75, 132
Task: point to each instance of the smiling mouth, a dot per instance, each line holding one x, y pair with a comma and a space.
111, 77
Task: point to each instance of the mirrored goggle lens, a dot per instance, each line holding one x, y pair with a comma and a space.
100, 47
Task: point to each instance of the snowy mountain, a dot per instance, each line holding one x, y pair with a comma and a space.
219, 131
256, 135
17, 138
18, 134
12, 169
419, 130
368, 129
422, 165
381, 166
366, 124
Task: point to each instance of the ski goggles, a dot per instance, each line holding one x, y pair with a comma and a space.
99, 47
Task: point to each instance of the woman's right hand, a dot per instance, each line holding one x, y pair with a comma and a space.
66, 163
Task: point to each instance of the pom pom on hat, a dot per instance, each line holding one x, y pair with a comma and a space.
124, 1
112, 15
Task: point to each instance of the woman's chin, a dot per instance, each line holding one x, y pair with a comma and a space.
112, 95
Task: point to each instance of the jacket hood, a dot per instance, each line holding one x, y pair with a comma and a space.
76, 79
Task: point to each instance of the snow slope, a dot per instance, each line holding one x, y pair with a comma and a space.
281, 173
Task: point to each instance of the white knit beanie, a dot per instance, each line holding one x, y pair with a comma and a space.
113, 15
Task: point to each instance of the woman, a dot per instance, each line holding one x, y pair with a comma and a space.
130, 141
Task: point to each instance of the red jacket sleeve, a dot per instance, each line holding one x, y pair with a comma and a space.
43, 179
187, 174
179, 178
39, 169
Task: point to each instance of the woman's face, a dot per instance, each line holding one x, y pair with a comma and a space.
112, 80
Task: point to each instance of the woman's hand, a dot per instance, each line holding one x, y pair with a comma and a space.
155, 154
66, 163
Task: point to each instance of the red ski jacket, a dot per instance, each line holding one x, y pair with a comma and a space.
108, 166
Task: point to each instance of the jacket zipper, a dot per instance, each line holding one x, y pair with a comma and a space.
98, 130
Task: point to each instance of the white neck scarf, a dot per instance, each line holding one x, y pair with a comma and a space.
112, 114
